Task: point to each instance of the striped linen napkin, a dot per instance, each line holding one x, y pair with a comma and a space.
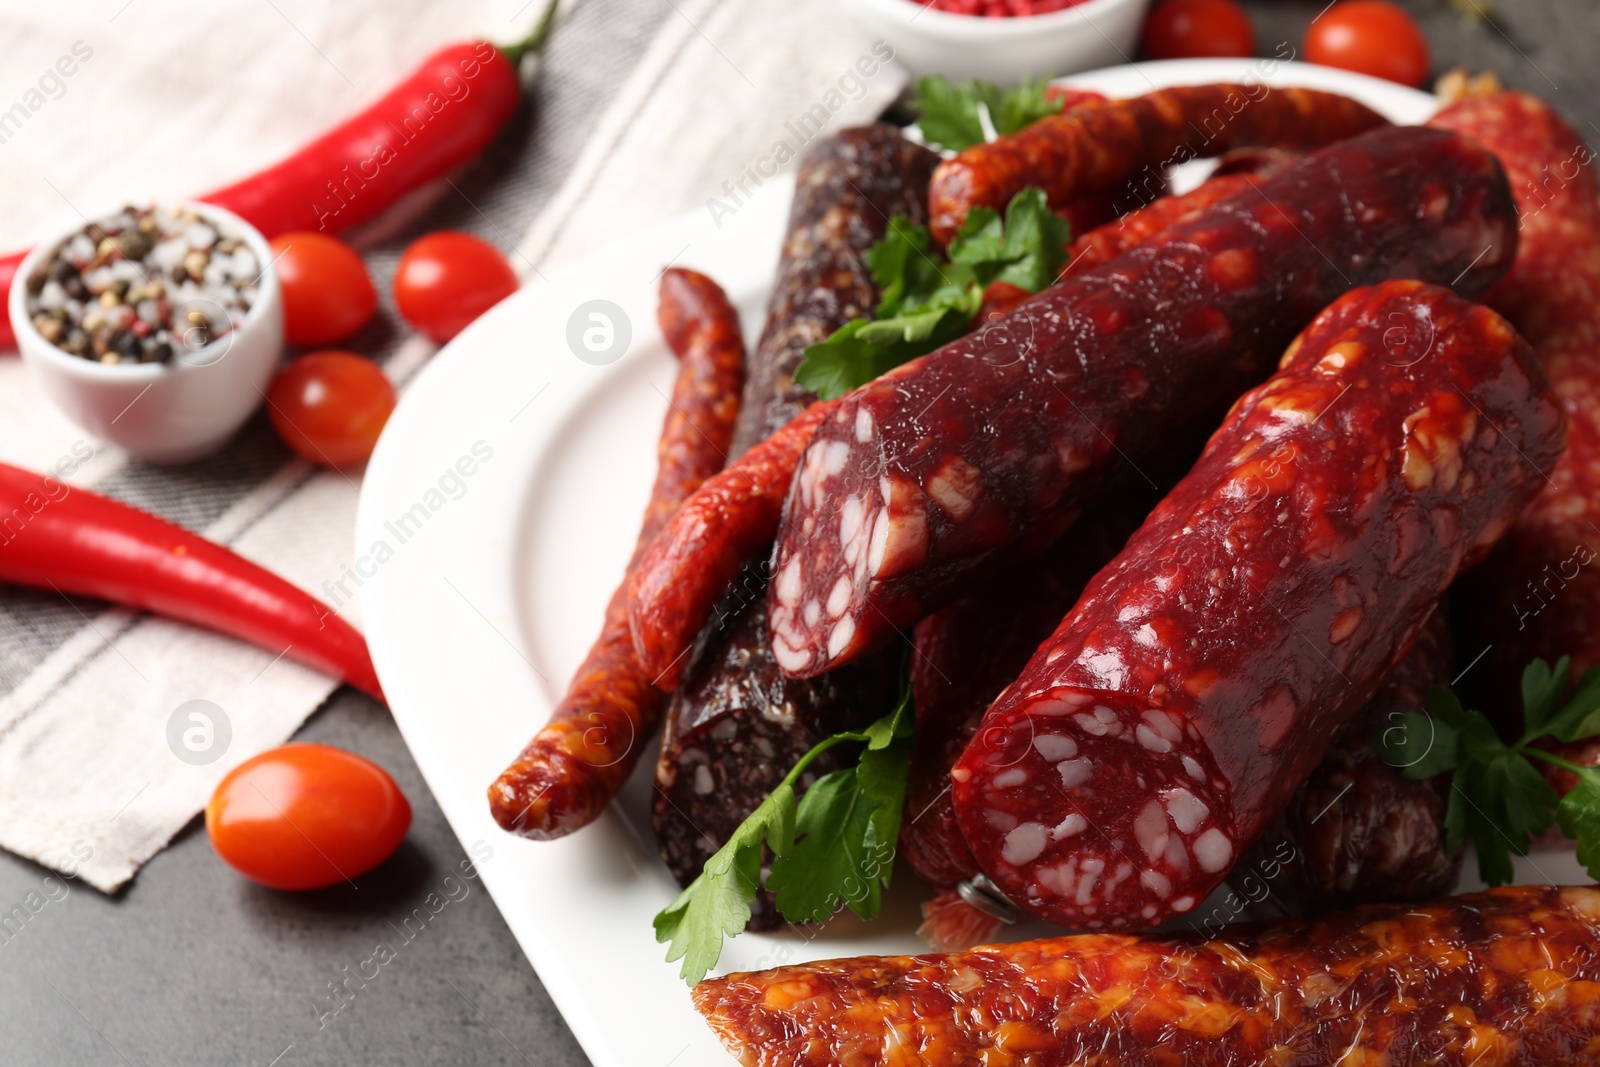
114, 728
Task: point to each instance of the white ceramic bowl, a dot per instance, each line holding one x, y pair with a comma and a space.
163, 412
1095, 33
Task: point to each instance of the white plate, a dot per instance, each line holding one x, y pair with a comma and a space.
479, 608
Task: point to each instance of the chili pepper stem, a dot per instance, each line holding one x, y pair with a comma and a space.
535, 41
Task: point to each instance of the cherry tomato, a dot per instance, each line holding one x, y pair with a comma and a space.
330, 407
1185, 29
306, 816
1370, 37
447, 279
327, 295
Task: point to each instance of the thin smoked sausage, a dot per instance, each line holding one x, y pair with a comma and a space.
1506, 978
572, 768
1096, 147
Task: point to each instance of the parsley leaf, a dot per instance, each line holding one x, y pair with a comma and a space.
836, 846
1542, 689
847, 828
929, 302
717, 903
1021, 107
1028, 251
1418, 745
949, 116
863, 349
1580, 716
1493, 844
1579, 817
1498, 799
952, 116
903, 267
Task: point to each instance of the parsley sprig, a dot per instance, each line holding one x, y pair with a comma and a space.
954, 116
1498, 799
832, 848
928, 301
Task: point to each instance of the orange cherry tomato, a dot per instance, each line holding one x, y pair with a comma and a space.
327, 295
1370, 37
447, 279
306, 816
330, 407
1185, 29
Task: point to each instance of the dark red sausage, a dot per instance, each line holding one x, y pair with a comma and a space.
573, 766
1358, 831
1107, 242
1094, 148
1507, 978
969, 651
965, 654
736, 725
1205, 670
1258, 161
846, 189
923, 481
1538, 595
727, 522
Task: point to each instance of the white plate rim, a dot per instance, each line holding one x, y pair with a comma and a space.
410, 617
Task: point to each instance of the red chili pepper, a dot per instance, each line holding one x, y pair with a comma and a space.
55, 536
443, 115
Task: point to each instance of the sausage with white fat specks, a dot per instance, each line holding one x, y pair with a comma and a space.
1205, 671
735, 724
1538, 594
924, 481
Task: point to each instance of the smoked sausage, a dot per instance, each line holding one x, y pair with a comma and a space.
1137, 226
847, 188
1204, 672
1538, 594
969, 651
572, 768
1358, 831
735, 724
707, 542
1096, 147
925, 480
1506, 978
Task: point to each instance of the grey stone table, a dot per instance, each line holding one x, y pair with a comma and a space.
193, 965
